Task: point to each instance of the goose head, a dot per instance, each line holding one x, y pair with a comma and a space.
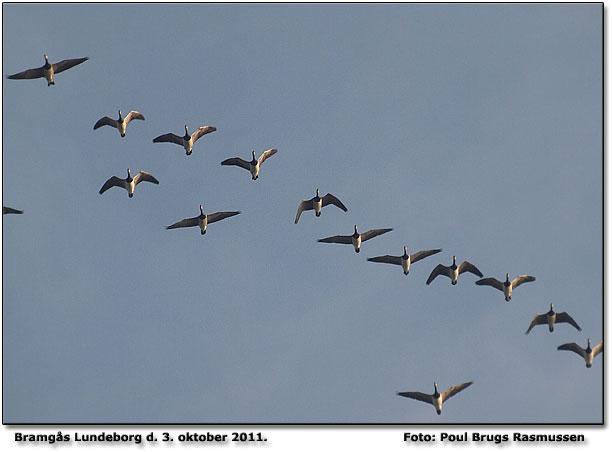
507, 278
436, 393
454, 260
120, 117
405, 251
588, 349
317, 195
46, 58
254, 159
187, 136
356, 229
551, 308
201, 210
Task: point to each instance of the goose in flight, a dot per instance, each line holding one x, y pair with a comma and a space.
507, 286
202, 220
317, 203
453, 271
436, 399
356, 238
48, 70
254, 164
587, 353
550, 318
187, 141
129, 183
6, 210
119, 124
404, 260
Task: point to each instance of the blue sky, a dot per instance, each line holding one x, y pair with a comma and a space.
472, 128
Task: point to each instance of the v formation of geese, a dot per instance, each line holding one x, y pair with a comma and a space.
187, 141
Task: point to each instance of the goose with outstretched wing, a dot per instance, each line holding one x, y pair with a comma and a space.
356, 238
119, 124
48, 70
187, 140
202, 220
405, 260
507, 286
587, 353
317, 203
453, 271
436, 399
129, 183
253, 165
550, 318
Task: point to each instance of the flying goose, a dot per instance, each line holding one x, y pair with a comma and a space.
48, 70
317, 203
129, 183
187, 141
253, 165
405, 260
6, 210
453, 271
119, 124
587, 353
436, 399
356, 238
507, 286
202, 220
550, 318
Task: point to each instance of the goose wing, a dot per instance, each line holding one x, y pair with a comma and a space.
539, 319
466, 266
184, 223
143, 176
201, 132
6, 210
266, 154
520, 279
347, 239
491, 282
133, 115
168, 138
564, 317
105, 121
597, 349
306, 204
67, 64
217, 216
331, 199
422, 255
112, 182
373, 233
572, 347
417, 396
237, 161
454, 390
439, 270
28, 73
387, 259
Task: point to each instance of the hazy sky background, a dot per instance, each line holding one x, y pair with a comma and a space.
473, 128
